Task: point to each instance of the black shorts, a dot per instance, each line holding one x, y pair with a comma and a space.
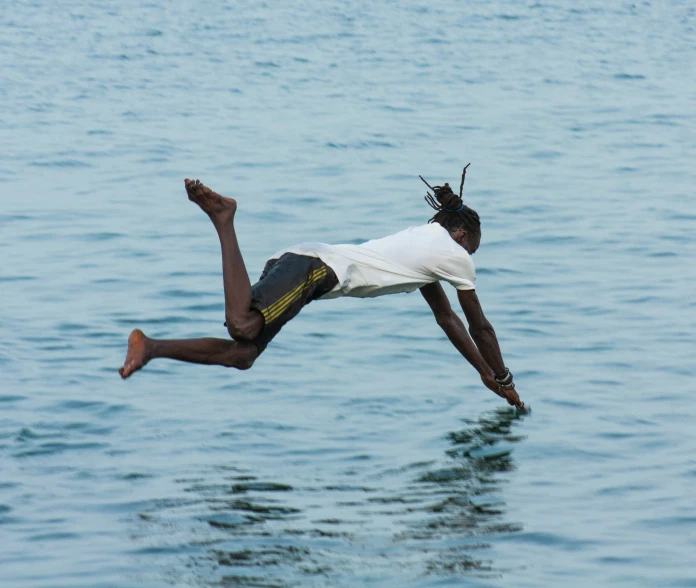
287, 285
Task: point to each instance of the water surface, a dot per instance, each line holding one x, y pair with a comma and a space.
361, 450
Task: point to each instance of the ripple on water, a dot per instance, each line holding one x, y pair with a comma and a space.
427, 508
9, 398
56, 448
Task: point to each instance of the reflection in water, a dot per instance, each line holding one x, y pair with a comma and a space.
236, 530
466, 502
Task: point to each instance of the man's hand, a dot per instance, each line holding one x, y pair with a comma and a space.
508, 393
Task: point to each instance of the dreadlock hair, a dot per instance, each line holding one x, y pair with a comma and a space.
452, 213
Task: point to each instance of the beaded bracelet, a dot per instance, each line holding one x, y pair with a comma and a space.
505, 380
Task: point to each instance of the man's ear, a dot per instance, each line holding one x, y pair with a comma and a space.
460, 234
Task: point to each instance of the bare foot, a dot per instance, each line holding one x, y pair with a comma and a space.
138, 353
218, 208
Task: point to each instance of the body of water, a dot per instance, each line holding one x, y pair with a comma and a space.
361, 449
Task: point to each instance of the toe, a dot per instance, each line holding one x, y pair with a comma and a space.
192, 190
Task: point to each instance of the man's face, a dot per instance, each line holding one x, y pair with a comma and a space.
474, 242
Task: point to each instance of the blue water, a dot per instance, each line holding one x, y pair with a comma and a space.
361, 449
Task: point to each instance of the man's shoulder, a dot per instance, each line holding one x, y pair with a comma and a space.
427, 231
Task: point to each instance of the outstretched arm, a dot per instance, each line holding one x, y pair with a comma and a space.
481, 330
483, 334
453, 327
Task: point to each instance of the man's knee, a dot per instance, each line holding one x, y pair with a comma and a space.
246, 328
240, 355
238, 330
245, 363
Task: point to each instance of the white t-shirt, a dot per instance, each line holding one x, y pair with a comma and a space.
401, 262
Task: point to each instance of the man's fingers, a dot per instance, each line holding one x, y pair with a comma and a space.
513, 398
510, 394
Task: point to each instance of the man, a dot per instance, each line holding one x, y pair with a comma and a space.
418, 257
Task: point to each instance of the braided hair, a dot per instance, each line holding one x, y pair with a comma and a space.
452, 213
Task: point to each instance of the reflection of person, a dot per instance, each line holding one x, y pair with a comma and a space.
418, 257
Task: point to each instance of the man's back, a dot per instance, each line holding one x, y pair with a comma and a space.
402, 262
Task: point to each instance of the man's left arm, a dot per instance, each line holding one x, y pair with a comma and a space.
453, 327
483, 334
481, 330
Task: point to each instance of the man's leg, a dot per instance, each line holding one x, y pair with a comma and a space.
209, 351
243, 322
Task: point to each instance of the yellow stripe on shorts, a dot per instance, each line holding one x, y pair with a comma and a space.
280, 306
273, 311
297, 293
270, 309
